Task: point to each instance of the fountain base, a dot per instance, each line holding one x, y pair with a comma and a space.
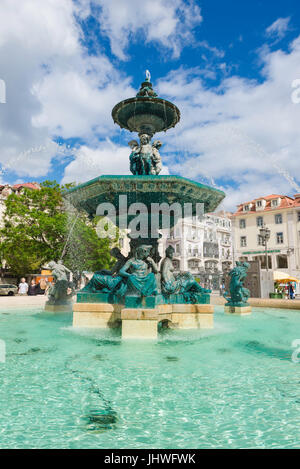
67, 308
238, 310
142, 323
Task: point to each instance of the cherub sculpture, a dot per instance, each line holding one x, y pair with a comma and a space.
156, 158
145, 158
134, 157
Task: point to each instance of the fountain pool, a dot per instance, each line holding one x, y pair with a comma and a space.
235, 386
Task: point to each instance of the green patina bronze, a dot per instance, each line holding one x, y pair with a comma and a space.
238, 294
183, 283
144, 189
136, 281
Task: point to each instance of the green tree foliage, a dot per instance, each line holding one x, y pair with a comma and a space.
37, 228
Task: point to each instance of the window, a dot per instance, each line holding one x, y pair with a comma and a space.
260, 240
279, 238
274, 203
259, 204
246, 208
282, 262
278, 219
262, 260
243, 223
259, 221
298, 213
243, 241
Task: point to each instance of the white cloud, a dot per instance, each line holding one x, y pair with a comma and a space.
169, 23
53, 86
278, 29
243, 134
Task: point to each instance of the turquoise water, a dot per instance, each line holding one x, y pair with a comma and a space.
233, 387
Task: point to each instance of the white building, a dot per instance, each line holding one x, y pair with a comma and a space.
281, 214
203, 248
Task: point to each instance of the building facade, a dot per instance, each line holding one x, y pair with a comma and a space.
279, 213
203, 248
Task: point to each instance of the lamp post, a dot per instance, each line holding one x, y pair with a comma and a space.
265, 234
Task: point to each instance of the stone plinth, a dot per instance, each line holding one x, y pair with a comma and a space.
139, 323
238, 310
142, 323
58, 308
96, 315
199, 316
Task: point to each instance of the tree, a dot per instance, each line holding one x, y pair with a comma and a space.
38, 228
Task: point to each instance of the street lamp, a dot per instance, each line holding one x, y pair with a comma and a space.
265, 235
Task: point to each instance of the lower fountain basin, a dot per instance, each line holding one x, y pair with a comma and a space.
143, 189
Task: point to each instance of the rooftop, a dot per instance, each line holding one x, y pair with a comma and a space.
285, 202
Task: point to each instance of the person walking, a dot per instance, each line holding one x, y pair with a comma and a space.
32, 289
23, 287
291, 291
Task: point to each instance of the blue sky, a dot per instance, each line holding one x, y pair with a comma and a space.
228, 65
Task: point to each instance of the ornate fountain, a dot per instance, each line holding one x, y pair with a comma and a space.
138, 291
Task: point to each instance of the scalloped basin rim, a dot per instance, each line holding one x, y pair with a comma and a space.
147, 190
128, 108
145, 179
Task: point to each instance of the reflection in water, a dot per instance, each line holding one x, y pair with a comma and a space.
261, 349
99, 415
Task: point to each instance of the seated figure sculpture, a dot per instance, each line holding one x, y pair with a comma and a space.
108, 281
182, 283
239, 295
139, 273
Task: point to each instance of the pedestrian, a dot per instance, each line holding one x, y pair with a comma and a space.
291, 291
32, 289
41, 289
23, 287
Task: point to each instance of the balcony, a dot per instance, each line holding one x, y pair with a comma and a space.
195, 254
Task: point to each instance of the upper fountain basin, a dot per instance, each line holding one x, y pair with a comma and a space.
146, 114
